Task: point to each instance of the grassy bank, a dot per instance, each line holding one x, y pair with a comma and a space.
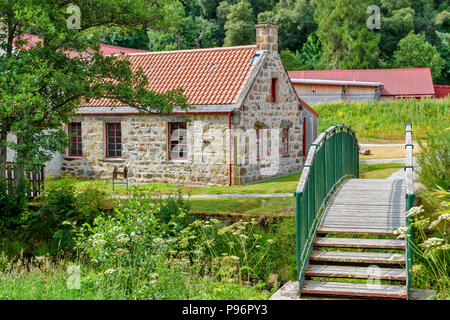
385, 120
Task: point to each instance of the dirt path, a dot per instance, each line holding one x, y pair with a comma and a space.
387, 151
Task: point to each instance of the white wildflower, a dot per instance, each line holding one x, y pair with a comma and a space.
115, 229
234, 258
98, 242
396, 257
109, 271
97, 236
442, 217
414, 211
122, 238
433, 242
401, 232
120, 252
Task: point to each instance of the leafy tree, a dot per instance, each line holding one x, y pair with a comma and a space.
240, 26
306, 59
414, 51
222, 11
444, 50
389, 6
347, 43
311, 52
208, 7
208, 33
295, 21
41, 86
132, 39
394, 28
291, 61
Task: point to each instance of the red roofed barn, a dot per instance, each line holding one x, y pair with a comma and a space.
246, 122
315, 86
106, 49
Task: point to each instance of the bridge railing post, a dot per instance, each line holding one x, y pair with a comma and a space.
410, 196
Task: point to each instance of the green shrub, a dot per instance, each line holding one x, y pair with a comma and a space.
47, 224
90, 201
12, 205
175, 209
45, 229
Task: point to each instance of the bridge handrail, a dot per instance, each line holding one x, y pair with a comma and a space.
332, 157
410, 196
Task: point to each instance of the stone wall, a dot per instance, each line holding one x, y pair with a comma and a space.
145, 151
258, 112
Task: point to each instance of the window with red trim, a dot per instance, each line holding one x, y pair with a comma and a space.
113, 140
259, 144
177, 141
273, 90
285, 141
75, 143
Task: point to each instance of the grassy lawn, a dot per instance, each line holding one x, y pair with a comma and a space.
285, 184
378, 171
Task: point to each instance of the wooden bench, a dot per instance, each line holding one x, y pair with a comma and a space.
123, 173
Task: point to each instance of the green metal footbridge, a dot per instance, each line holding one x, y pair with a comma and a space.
346, 246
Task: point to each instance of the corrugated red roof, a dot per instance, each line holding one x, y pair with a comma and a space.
208, 76
413, 82
441, 91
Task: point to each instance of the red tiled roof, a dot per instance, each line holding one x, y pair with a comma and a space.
413, 82
441, 91
208, 76
106, 49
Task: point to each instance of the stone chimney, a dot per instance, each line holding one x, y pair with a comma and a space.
266, 37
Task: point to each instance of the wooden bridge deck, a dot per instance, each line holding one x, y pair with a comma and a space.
366, 206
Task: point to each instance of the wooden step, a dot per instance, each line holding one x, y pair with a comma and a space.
359, 243
353, 289
355, 230
356, 272
357, 257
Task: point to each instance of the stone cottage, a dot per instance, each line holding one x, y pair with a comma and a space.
245, 124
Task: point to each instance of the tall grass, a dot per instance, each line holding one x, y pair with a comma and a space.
386, 119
